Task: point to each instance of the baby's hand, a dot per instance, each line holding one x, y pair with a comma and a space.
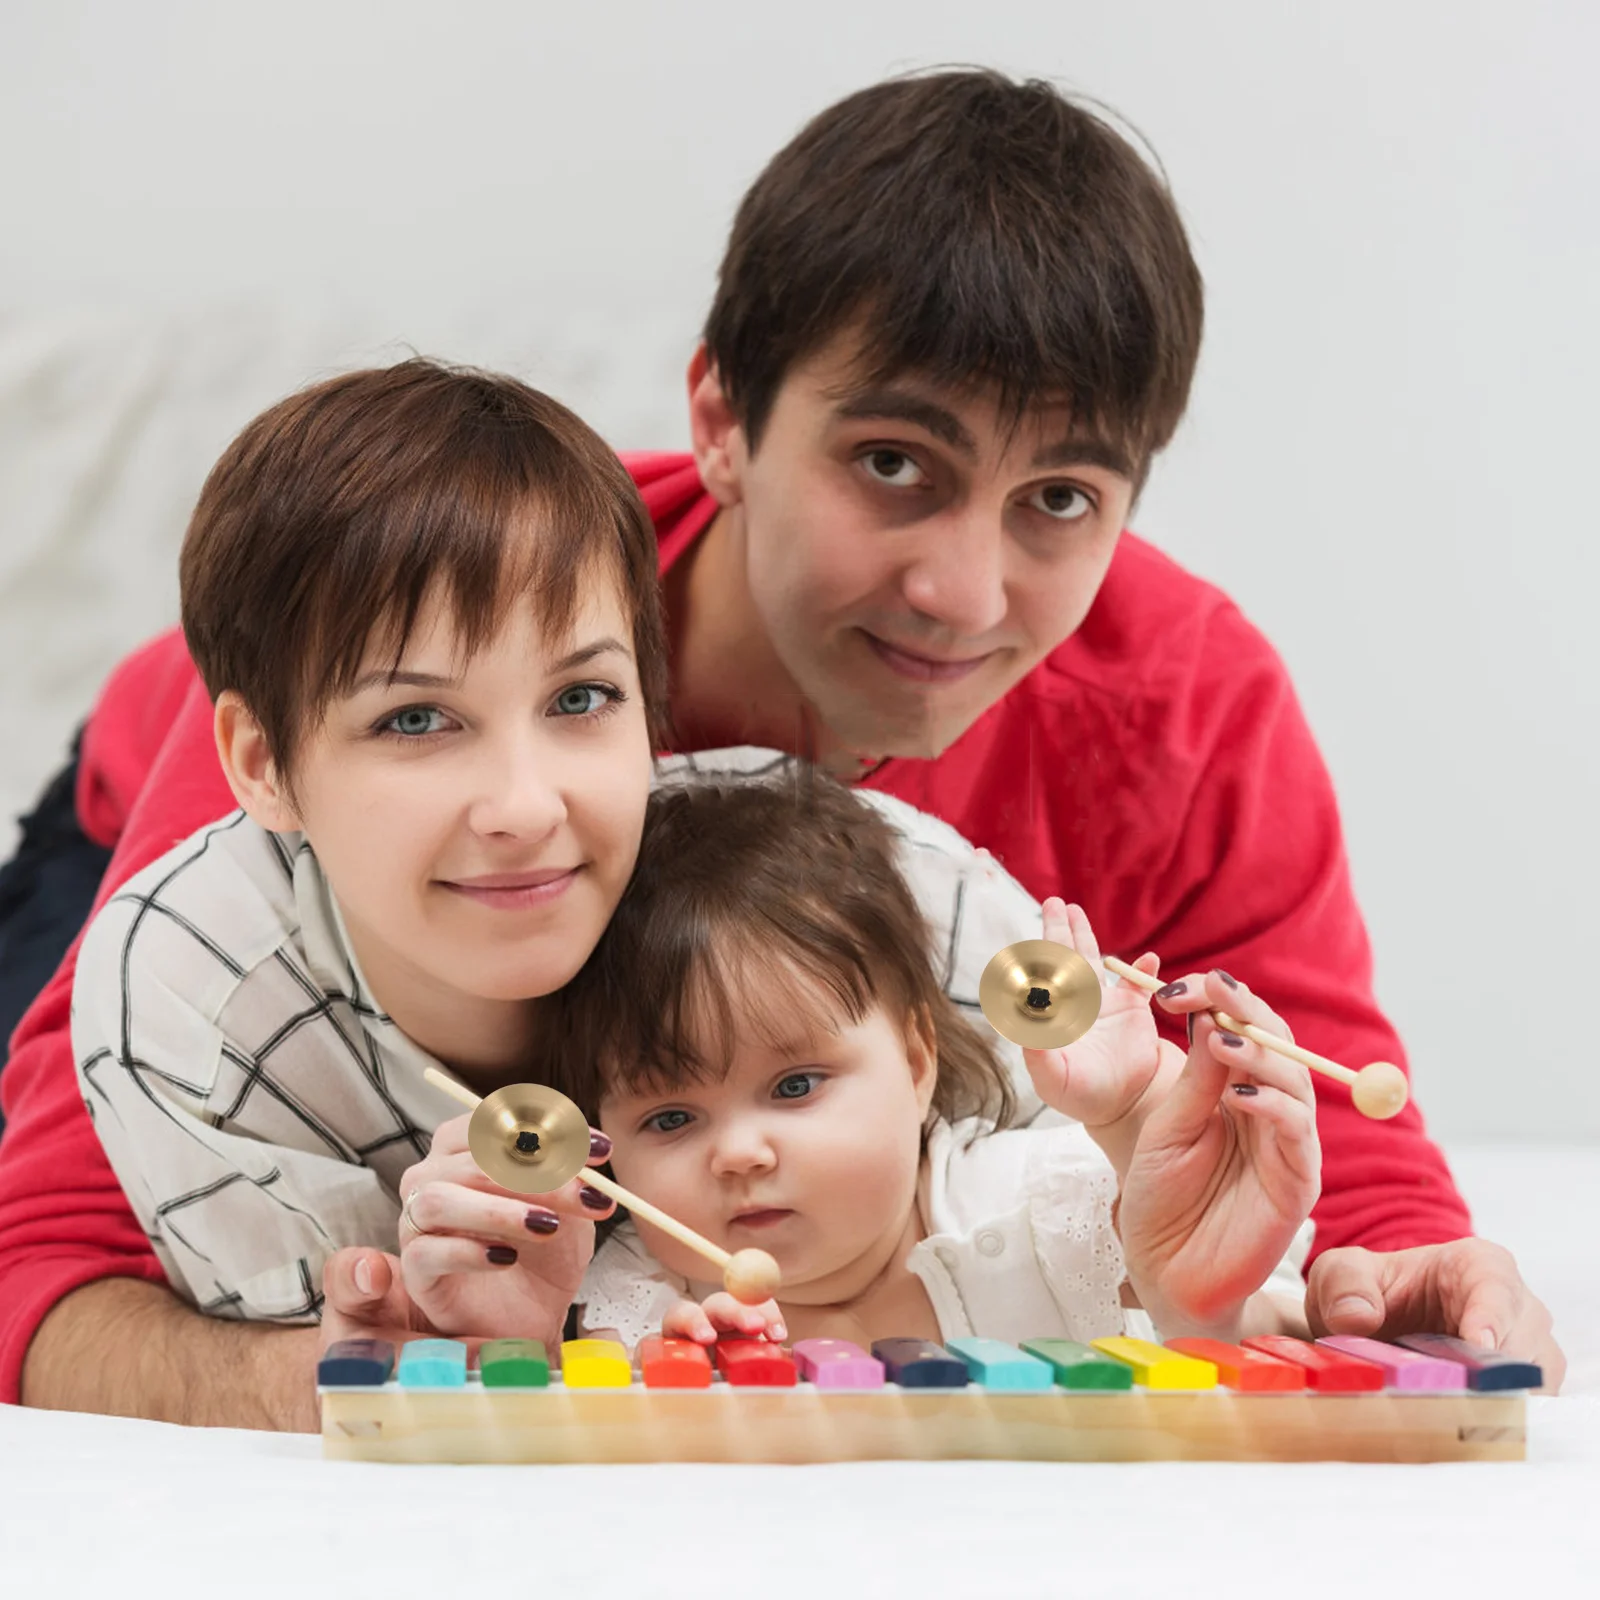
1226, 1169
721, 1313
1108, 1079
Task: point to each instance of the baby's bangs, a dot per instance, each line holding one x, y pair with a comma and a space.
760, 981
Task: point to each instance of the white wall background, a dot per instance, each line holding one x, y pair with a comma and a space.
1388, 462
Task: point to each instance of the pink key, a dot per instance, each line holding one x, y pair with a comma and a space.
837, 1364
1402, 1369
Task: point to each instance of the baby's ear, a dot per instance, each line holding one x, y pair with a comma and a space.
922, 1055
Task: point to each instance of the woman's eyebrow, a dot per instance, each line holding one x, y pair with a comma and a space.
410, 680
588, 652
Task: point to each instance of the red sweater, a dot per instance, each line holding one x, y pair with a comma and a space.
1156, 768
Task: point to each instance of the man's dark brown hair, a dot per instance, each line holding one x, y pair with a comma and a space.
756, 901
977, 232
335, 515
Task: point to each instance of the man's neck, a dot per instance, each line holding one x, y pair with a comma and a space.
728, 685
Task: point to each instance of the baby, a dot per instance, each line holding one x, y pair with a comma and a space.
762, 1034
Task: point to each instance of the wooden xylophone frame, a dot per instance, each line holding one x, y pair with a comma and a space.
805, 1424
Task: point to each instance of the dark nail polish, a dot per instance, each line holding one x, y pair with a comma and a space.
1232, 983
1232, 1040
538, 1220
592, 1198
502, 1255
1245, 1089
1188, 1025
599, 1145
1172, 990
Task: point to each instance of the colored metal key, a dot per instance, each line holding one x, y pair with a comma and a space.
1327, 1371
1248, 1371
755, 1364
356, 1362
1156, 1367
514, 1364
837, 1364
997, 1365
1486, 1369
1402, 1369
1077, 1366
673, 1363
595, 1364
920, 1364
432, 1364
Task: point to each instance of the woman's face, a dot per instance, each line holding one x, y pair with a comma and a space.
478, 818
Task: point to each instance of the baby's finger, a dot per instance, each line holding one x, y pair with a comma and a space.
731, 1316
1083, 939
686, 1320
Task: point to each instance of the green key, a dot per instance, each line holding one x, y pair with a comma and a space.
514, 1364
1078, 1367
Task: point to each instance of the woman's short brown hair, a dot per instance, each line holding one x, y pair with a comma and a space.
751, 893
977, 232
334, 515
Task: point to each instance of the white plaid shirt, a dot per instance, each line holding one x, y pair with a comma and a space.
258, 1106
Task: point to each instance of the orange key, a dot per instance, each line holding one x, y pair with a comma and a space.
1249, 1371
673, 1363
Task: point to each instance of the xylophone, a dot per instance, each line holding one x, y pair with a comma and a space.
1428, 1398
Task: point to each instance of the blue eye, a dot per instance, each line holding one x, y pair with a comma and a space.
586, 699
414, 722
796, 1086
667, 1121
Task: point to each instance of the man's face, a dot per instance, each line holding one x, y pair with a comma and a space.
912, 557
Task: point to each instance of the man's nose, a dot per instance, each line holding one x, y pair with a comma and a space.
957, 578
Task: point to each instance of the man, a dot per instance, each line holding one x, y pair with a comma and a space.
956, 320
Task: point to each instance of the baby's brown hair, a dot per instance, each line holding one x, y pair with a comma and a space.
742, 882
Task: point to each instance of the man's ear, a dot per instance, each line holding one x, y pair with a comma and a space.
248, 766
717, 437
922, 1055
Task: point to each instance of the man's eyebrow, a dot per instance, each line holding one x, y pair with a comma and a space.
381, 679
896, 405
1084, 452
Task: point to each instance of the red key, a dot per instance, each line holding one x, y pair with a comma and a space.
673, 1363
753, 1363
1248, 1371
1327, 1371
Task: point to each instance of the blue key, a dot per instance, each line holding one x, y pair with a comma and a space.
433, 1364
1486, 1369
1003, 1366
919, 1364
353, 1363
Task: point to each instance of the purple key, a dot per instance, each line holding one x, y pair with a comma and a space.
1402, 1369
1486, 1369
837, 1364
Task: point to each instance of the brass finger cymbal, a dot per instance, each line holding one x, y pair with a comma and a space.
528, 1138
1039, 994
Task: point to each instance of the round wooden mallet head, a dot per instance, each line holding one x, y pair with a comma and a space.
1380, 1090
1039, 994
751, 1277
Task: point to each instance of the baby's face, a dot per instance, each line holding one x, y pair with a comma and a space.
808, 1150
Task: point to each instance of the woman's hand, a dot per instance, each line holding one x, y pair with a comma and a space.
1226, 1168
720, 1313
1110, 1078
480, 1260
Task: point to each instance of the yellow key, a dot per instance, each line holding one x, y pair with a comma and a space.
595, 1364
1156, 1367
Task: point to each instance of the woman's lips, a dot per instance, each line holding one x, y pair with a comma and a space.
515, 891
922, 669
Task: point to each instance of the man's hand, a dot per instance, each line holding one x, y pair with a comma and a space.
1469, 1288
